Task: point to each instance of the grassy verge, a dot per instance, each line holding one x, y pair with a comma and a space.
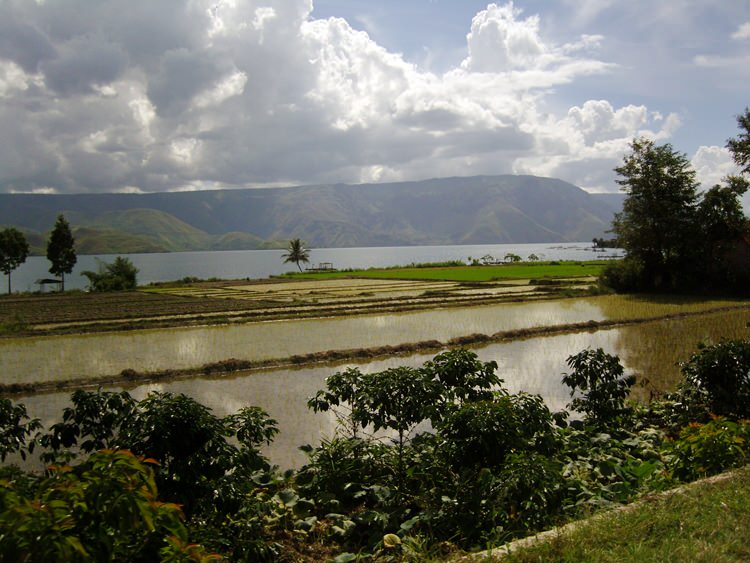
524, 270
707, 521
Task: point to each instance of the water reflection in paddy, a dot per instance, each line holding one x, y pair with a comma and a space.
535, 365
58, 358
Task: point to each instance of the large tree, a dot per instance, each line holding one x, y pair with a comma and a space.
740, 146
61, 250
297, 252
657, 226
13, 251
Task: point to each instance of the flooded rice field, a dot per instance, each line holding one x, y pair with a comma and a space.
59, 358
86, 356
650, 350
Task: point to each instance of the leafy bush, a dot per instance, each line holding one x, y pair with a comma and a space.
211, 466
461, 377
105, 509
120, 275
722, 373
340, 469
602, 468
600, 377
482, 434
623, 275
196, 458
481, 506
708, 449
16, 429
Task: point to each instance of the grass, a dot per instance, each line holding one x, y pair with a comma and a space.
632, 306
707, 521
523, 270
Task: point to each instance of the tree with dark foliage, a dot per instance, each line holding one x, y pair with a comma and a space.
61, 250
13, 251
657, 224
740, 146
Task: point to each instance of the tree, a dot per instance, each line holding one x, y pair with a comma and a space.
61, 250
297, 252
722, 222
510, 257
657, 224
13, 251
120, 275
740, 146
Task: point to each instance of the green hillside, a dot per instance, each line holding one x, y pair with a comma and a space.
243, 241
162, 229
108, 241
442, 211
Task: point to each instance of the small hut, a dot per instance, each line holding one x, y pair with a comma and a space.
44, 282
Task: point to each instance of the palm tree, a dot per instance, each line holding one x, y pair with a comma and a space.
296, 252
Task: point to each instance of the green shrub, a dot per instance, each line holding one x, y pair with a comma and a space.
16, 429
722, 373
197, 460
340, 469
623, 275
120, 275
708, 449
105, 509
599, 377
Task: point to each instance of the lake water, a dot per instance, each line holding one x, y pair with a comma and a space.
239, 264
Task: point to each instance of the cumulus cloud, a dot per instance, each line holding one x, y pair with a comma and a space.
712, 164
591, 140
143, 96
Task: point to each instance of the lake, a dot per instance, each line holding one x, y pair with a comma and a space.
255, 264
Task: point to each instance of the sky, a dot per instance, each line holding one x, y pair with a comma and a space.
144, 96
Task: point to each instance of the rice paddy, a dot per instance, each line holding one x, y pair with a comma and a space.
650, 350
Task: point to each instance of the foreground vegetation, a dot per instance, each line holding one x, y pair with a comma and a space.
703, 523
164, 479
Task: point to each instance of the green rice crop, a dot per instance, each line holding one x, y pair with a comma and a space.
526, 270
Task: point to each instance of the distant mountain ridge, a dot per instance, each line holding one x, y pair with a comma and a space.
467, 210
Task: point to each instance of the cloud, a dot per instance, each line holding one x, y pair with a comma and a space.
590, 141
712, 164
143, 96
737, 62
743, 32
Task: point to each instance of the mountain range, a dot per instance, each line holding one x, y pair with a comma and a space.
465, 210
